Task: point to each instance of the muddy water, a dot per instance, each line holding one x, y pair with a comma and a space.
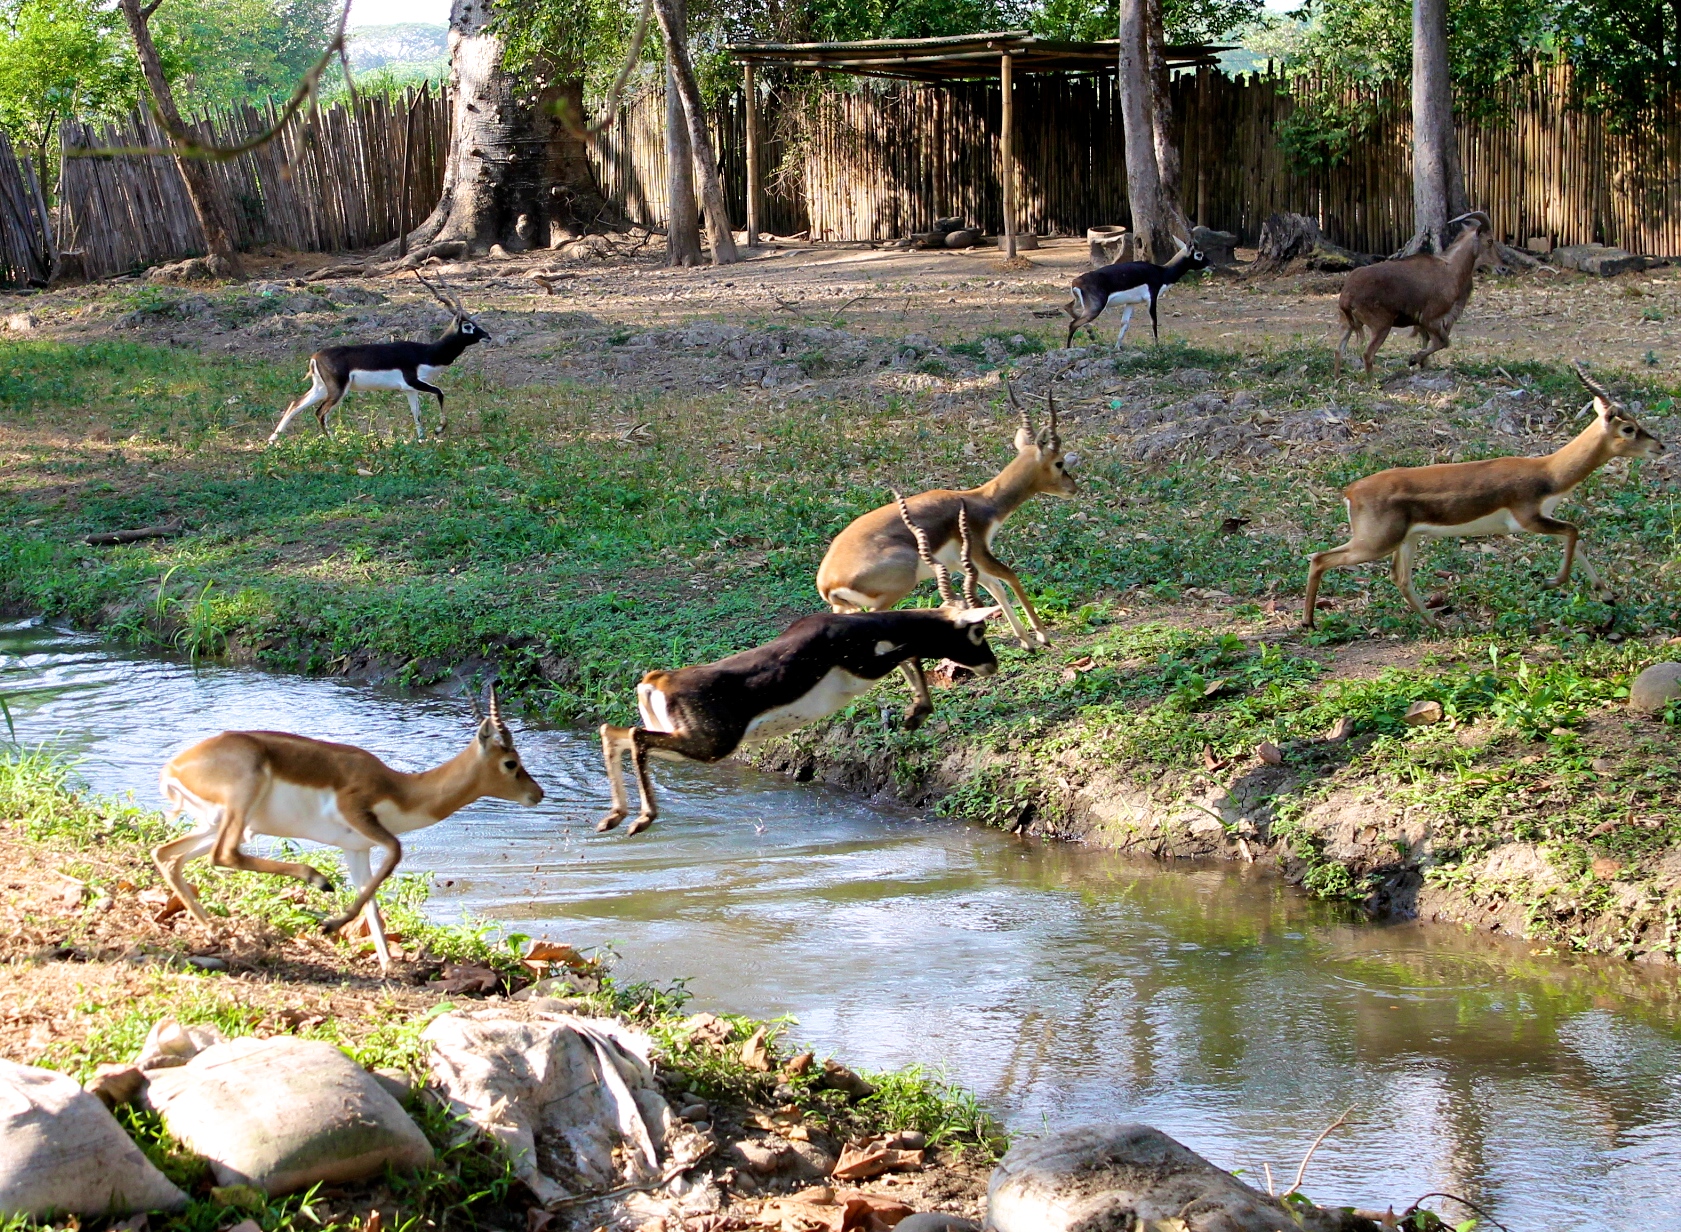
1062, 985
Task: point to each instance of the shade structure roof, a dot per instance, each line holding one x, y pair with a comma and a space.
955, 57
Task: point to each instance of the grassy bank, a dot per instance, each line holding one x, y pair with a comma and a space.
569, 537
86, 970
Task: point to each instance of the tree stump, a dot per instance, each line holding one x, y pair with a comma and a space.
1295, 242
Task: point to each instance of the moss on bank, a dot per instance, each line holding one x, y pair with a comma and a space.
550, 544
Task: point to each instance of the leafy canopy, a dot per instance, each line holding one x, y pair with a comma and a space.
59, 58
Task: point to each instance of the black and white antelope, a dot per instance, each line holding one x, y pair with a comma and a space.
874, 563
820, 665
400, 367
1128, 283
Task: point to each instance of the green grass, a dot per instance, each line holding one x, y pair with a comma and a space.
538, 538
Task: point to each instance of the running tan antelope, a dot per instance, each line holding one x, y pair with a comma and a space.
243, 783
1392, 512
873, 563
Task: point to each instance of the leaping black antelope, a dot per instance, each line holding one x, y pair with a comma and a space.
294, 787
1129, 283
874, 562
820, 665
401, 367
1392, 512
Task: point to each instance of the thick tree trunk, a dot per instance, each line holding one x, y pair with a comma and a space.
516, 175
1161, 124
1151, 223
1438, 183
201, 189
682, 214
700, 141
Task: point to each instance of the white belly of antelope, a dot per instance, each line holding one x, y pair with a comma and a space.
838, 689
312, 814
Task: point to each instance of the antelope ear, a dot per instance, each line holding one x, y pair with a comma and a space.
488, 735
1606, 410
975, 615
1023, 440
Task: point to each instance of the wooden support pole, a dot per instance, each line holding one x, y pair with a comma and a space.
1007, 152
753, 217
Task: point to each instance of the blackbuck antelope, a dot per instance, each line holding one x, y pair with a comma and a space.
874, 562
820, 665
285, 786
1392, 512
401, 367
1423, 291
1129, 283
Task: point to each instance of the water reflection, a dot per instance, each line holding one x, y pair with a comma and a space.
1062, 985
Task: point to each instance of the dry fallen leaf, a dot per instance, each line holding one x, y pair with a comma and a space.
1341, 730
543, 954
1270, 753
1605, 868
1211, 762
1604, 827
1423, 714
755, 1054
707, 1029
799, 1064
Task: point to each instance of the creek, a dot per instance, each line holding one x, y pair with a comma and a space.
1063, 985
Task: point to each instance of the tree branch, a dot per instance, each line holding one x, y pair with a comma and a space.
184, 145
146, 11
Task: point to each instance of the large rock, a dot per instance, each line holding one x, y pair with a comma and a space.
1655, 688
1597, 259
284, 1113
62, 1153
1105, 1177
573, 1100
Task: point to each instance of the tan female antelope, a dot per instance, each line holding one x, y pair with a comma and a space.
1391, 512
873, 563
821, 664
285, 786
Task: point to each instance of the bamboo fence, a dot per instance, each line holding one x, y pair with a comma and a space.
26, 235
877, 161
333, 184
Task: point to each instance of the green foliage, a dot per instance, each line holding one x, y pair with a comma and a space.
218, 52
1184, 21
59, 58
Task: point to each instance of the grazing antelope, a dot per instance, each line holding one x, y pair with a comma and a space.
402, 367
873, 563
1391, 512
1129, 283
821, 664
244, 783
1423, 291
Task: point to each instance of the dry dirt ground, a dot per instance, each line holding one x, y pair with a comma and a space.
846, 295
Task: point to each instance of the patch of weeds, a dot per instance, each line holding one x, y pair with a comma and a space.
935, 366
1012, 345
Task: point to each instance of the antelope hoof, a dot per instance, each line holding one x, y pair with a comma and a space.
320, 881
642, 822
916, 716
332, 924
610, 821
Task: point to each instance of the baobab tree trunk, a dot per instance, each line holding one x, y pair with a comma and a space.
516, 174
201, 189
700, 141
1151, 218
682, 224
1438, 182
1161, 124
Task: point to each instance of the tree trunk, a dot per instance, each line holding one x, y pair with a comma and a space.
1150, 221
682, 214
516, 175
201, 189
700, 141
1438, 183
1161, 126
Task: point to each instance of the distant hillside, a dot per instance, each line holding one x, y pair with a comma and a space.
408, 49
